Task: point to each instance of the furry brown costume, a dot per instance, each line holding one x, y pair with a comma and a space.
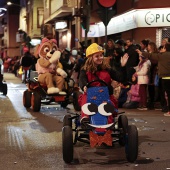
48, 66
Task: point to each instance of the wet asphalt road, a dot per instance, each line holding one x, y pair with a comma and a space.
32, 140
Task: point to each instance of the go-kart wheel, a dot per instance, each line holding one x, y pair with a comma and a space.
76, 105
131, 146
67, 144
123, 122
67, 121
123, 126
27, 99
4, 89
64, 104
36, 102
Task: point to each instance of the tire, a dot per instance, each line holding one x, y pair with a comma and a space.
36, 102
67, 144
76, 105
27, 99
123, 126
67, 121
64, 104
131, 147
4, 89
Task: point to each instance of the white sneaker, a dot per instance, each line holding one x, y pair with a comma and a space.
145, 108
52, 90
140, 108
167, 114
62, 93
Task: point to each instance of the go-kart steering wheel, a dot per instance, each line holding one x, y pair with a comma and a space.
102, 82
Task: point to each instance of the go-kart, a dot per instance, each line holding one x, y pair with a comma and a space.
3, 85
97, 131
36, 94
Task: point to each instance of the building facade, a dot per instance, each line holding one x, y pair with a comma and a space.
63, 20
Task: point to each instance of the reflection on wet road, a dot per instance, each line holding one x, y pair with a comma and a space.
33, 140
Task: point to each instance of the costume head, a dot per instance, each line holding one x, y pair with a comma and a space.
92, 49
47, 48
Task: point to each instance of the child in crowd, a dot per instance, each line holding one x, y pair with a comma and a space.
116, 89
133, 95
120, 92
142, 72
123, 95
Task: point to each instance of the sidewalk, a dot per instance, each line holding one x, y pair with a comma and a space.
10, 78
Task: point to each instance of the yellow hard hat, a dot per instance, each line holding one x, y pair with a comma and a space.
93, 48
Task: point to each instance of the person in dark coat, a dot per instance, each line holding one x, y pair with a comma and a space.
133, 59
26, 63
67, 61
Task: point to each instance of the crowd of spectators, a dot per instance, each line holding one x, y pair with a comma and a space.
145, 73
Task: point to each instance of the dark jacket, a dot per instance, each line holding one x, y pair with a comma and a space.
64, 60
106, 75
133, 59
163, 62
27, 60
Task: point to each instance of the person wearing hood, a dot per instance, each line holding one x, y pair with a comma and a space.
133, 98
142, 73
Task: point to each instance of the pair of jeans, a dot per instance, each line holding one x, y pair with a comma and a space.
131, 105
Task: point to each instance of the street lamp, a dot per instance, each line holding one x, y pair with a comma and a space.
10, 3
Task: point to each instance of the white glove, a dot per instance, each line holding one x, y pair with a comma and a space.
55, 57
61, 72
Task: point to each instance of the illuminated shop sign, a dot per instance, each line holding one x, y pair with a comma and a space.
60, 25
35, 41
2, 11
153, 17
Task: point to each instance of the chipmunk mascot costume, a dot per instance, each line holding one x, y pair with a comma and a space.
49, 71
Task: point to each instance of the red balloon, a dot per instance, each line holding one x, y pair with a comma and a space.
107, 3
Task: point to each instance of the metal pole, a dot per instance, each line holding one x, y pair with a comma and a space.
88, 9
86, 37
105, 34
106, 19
